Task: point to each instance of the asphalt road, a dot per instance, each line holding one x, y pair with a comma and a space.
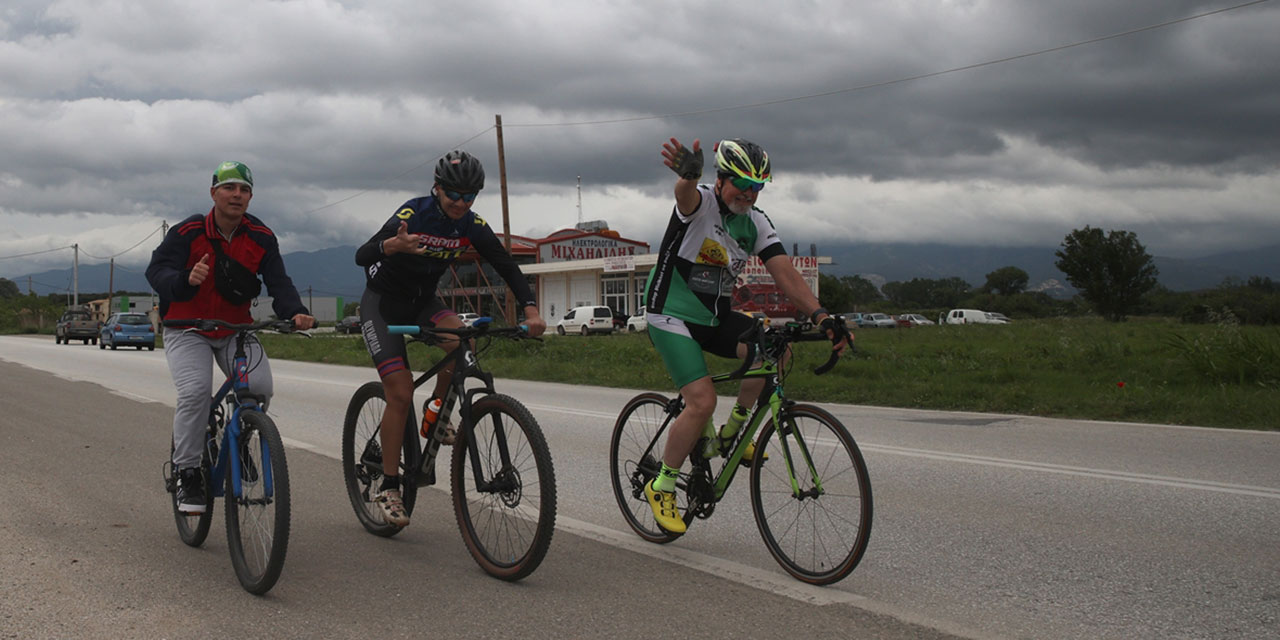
986, 526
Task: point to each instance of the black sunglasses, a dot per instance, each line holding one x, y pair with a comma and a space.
465, 197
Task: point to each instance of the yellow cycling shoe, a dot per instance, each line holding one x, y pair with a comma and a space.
663, 504
749, 455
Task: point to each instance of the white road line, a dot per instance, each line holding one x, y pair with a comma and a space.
1204, 485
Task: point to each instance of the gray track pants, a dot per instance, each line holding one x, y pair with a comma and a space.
191, 358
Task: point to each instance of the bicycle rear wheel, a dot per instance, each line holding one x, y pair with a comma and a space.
635, 457
362, 458
258, 518
193, 529
506, 511
819, 530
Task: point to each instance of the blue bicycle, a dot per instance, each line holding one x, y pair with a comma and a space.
245, 450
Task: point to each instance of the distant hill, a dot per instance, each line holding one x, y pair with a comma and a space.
333, 272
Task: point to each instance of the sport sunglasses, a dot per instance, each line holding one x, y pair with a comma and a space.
465, 197
746, 184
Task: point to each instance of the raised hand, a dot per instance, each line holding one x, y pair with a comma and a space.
199, 272
687, 164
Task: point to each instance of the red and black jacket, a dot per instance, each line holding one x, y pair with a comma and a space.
252, 245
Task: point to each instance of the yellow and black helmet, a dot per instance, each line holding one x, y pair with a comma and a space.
738, 158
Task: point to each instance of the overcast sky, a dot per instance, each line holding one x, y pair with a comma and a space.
114, 113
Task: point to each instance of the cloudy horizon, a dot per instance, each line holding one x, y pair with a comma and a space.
115, 114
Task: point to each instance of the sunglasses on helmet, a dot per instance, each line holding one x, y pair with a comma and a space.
746, 184
465, 197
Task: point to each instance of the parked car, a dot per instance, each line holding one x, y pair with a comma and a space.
620, 321
638, 322
76, 323
971, 316
584, 320
349, 324
878, 321
468, 319
128, 329
853, 319
998, 318
913, 319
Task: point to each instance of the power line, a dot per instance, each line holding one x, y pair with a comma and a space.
117, 255
885, 83
36, 253
401, 174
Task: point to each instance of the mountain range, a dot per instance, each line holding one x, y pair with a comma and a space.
333, 272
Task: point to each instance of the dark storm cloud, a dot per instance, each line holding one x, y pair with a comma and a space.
122, 109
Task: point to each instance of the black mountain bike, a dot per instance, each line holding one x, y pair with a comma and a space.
244, 462
811, 498
502, 481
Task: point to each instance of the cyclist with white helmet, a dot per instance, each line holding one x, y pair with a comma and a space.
403, 264
713, 230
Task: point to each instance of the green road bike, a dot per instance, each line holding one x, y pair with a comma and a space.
811, 498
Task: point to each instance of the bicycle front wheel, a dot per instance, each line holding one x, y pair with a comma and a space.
812, 498
635, 458
258, 515
504, 488
362, 458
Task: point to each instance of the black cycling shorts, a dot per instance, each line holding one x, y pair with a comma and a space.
378, 311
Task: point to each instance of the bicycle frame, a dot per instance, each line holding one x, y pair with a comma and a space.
771, 402
235, 390
467, 366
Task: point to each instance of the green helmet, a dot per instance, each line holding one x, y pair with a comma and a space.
232, 172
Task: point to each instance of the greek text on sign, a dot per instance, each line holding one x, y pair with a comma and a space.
587, 248
620, 263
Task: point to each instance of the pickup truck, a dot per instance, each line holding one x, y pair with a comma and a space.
77, 323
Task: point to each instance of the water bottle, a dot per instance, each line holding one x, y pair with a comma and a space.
711, 447
430, 412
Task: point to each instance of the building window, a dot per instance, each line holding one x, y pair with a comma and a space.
615, 291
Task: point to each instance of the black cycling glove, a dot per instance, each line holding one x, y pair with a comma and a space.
687, 164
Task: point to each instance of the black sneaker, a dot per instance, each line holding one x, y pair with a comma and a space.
191, 491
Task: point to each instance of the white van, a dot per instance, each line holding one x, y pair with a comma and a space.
584, 320
970, 316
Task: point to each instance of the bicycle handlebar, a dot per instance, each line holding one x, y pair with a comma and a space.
481, 326
209, 324
755, 336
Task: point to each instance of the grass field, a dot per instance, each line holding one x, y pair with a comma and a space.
1144, 370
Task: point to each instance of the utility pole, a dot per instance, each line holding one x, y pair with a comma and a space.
509, 311
579, 201
111, 286
75, 276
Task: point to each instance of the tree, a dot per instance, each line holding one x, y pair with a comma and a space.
863, 291
8, 289
833, 294
1112, 271
1006, 281
350, 309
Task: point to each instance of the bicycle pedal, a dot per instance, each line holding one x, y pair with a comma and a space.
170, 482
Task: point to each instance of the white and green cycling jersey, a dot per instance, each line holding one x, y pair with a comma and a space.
701, 256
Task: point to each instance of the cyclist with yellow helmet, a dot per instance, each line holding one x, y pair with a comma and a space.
713, 230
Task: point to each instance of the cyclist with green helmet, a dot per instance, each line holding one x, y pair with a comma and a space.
713, 231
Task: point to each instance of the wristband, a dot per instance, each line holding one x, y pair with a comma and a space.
382, 249
813, 317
